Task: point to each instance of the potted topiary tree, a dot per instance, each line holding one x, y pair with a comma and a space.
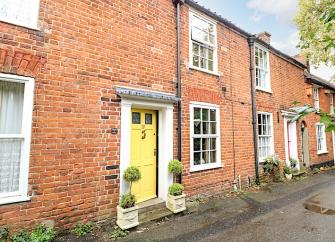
288, 172
175, 198
127, 211
271, 167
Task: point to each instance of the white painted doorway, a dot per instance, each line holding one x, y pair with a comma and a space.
291, 140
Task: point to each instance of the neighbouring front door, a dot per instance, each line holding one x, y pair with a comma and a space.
292, 142
143, 152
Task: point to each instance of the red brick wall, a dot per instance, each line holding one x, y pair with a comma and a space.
85, 48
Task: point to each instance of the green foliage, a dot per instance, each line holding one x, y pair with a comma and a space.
287, 170
22, 236
118, 233
176, 189
315, 22
175, 167
4, 231
82, 229
270, 164
42, 233
293, 162
128, 200
132, 174
295, 171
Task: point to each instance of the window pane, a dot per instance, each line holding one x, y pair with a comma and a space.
196, 114
213, 144
197, 127
210, 54
10, 153
196, 61
205, 127
211, 38
136, 118
213, 114
210, 65
148, 118
205, 114
213, 128
213, 156
205, 144
203, 63
196, 144
11, 107
195, 49
196, 158
205, 157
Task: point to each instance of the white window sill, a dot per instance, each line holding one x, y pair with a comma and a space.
204, 70
264, 90
21, 25
322, 152
205, 167
16, 199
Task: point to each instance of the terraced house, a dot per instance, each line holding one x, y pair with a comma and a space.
88, 88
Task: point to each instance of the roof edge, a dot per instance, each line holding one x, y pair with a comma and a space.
319, 81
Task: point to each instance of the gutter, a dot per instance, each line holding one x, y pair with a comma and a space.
178, 3
251, 42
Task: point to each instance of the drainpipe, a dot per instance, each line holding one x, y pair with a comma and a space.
251, 41
178, 3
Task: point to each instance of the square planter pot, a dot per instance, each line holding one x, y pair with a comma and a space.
176, 204
127, 218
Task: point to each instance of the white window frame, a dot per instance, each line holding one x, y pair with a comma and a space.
32, 9
316, 98
218, 164
22, 194
267, 77
331, 103
324, 149
192, 14
272, 152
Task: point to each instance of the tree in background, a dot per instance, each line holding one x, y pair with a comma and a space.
316, 24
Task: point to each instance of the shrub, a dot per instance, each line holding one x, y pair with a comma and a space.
4, 233
287, 170
42, 233
316, 170
176, 189
128, 200
132, 174
82, 229
175, 167
22, 236
293, 162
270, 164
118, 233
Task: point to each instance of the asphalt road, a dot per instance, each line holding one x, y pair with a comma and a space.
275, 214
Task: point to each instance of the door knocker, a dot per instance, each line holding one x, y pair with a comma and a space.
143, 134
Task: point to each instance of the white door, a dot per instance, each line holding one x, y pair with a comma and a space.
291, 141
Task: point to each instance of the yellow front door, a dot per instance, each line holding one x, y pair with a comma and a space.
143, 152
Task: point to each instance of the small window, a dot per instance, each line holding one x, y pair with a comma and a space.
203, 50
331, 103
205, 139
148, 118
262, 69
316, 98
16, 101
136, 118
265, 136
321, 141
20, 12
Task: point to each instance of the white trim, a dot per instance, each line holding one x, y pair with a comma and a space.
316, 98
14, 199
287, 116
218, 164
324, 150
165, 141
215, 72
28, 103
272, 150
331, 103
268, 76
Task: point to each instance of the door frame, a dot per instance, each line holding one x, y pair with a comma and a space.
287, 116
165, 141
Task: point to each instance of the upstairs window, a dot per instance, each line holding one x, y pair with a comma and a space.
265, 136
203, 49
321, 141
262, 69
316, 98
20, 12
